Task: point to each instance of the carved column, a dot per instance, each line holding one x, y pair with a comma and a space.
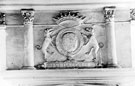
132, 13
28, 15
2, 42
111, 41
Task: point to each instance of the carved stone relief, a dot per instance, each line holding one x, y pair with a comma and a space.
132, 14
28, 15
2, 18
109, 13
71, 45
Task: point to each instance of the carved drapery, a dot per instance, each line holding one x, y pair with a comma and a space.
2, 42
111, 41
28, 16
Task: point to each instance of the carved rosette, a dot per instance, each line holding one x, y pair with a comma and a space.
132, 14
109, 13
2, 18
28, 15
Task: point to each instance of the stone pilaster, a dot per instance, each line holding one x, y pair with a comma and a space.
132, 15
111, 41
2, 42
28, 16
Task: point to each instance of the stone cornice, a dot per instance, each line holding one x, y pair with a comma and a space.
63, 2
68, 4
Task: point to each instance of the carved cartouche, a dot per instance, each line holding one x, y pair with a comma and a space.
69, 45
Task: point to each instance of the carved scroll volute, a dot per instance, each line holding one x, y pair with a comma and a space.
28, 15
2, 18
109, 13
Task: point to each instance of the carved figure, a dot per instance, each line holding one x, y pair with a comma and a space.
49, 47
47, 42
90, 47
92, 42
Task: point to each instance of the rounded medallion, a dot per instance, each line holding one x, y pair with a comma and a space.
69, 41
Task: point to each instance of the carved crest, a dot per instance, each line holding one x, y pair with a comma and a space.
69, 18
71, 45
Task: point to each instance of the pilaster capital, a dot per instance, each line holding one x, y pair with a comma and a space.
28, 15
109, 13
2, 18
132, 14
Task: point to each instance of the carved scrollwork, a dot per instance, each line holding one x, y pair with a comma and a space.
2, 18
28, 15
109, 13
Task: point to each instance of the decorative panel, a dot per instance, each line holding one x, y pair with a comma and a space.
92, 20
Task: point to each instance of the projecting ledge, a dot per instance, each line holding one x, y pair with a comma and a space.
70, 76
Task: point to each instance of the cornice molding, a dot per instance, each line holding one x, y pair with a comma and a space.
63, 2
64, 5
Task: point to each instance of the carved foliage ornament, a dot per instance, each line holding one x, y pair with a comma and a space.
2, 18
109, 13
28, 15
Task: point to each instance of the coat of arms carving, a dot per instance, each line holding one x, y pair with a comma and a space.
71, 45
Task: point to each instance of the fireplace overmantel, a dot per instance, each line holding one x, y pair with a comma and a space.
90, 43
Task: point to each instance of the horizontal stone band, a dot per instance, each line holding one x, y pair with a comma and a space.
69, 64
